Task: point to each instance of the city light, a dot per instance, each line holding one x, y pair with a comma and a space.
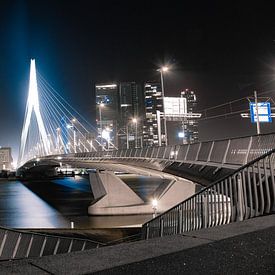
163, 69
154, 203
154, 207
181, 135
106, 134
134, 120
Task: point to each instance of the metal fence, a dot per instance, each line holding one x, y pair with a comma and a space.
16, 244
248, 192
234, 151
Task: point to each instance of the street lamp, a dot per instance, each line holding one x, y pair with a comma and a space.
163, 70
155, 207
135, 121
101, 105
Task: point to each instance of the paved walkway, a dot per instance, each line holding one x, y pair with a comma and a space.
238, 248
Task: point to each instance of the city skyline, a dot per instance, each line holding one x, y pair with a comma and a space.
215, 50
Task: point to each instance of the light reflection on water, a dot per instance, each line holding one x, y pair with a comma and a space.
21, 208
54, 204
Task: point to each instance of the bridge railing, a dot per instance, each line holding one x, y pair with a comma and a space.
248, 192
15, 244
234, 151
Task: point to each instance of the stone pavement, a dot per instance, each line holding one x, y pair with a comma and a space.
238, 248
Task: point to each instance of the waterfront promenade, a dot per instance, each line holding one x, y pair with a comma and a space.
236, 248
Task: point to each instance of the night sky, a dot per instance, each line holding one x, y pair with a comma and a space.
223, 52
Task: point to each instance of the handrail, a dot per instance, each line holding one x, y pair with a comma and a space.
247, 192
236, 151
17, 244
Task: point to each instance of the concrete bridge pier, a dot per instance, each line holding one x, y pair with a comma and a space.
112, 196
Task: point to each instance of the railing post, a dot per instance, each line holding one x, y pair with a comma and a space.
161, 227
210, 151
240, 202
185, 157
180, 219
226, 151
197, 155
147, 232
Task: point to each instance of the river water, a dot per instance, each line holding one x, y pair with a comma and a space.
58, 203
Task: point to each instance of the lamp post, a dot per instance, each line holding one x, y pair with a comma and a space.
163, 70
135, 121
101, 105
155, 207
127, 135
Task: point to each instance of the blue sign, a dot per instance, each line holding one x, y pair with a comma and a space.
264, 112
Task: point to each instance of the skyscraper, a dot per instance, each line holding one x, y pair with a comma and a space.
153, 103
107, 113
5, 158
131, 115
190, 125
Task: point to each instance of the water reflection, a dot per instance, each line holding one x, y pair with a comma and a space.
54, 204
21, 208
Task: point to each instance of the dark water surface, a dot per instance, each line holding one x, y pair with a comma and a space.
57, 203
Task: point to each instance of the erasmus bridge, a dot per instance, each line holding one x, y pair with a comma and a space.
202, 185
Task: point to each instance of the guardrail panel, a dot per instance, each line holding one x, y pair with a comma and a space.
204, 151
9, 246
36, 246
218, 151
23, 246
168, 151
182, 152
237, 151
149, 152
161, 152
260, 145
50, 246
155, 152
193, 151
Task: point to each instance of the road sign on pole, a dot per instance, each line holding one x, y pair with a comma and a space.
264, 112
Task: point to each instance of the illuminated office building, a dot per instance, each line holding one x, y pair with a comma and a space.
5, 158
107, 113
189, 126
153, 103
131, 115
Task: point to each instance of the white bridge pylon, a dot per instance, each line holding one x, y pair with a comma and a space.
33, 107
51, 125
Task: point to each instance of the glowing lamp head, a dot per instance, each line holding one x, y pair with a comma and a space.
106, 134
101, 105
134, 120
164, 68
154, 203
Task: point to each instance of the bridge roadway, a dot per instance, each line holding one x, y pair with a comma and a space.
246, 247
